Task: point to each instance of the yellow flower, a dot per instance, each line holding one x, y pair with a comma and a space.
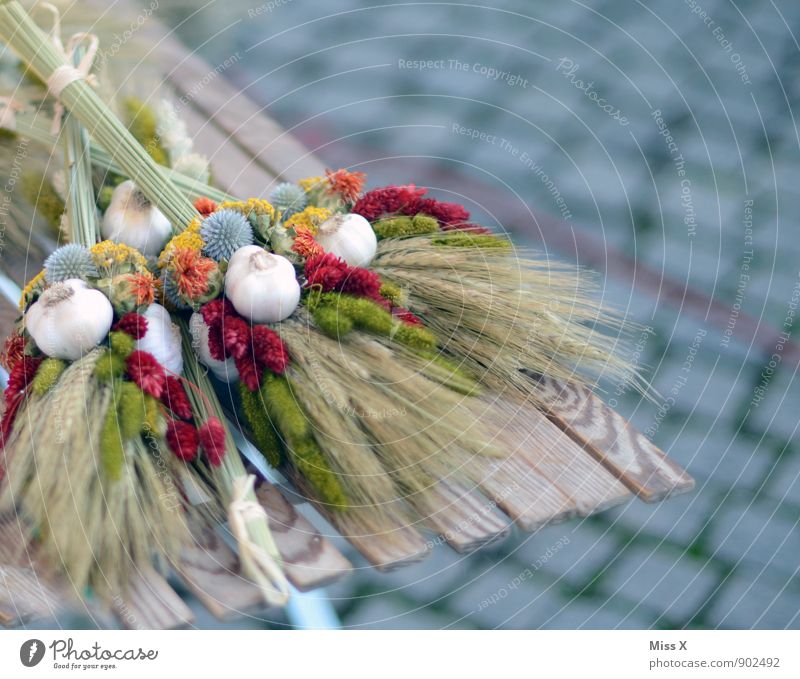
257, 206
33, 283
188, 239
310, 218
112, 257
310, 183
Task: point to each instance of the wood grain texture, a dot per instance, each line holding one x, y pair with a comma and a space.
150, 603
201, 86
465, 519
310, 560
395, 546
546, 477
621, 448
211, 570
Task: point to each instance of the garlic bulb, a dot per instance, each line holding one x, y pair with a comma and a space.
224, 370
135, 221
261, 286
162, 339
69, 319
350, 237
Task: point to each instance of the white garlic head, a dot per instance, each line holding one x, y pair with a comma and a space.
69, 319
261, 286
133, 220
350, 237
162, 339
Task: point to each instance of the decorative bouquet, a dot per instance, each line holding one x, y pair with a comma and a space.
374, 343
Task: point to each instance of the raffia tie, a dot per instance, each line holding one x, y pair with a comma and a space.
68, 72
262, 566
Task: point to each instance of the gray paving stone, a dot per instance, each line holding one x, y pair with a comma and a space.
673, 584
680, 521
749, 600
753, 533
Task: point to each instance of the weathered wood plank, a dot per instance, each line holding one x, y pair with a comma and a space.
233, 170
545, 466
150, 603
310, 560
395, 546
211, 570
465, 519
620, 447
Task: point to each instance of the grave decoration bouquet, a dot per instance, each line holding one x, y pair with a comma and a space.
371, 340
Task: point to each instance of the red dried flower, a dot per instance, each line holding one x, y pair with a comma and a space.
175, 398
406, 316
216, 346
327, 277
13, 351
446, 213
235, 336
269, 349
205, 206
362, 282
147, 372
216, 310
389, 200
249, 373
212, 439
304, 243
182, 439
327, 271
22, 374
132, 324
347, 185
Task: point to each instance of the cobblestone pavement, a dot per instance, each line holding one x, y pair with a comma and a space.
663, 134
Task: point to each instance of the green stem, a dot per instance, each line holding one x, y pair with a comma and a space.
33, 46
190, 187
81, 211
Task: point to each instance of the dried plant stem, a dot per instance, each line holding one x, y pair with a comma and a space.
81, 210
33, 46
39, 132
271, 581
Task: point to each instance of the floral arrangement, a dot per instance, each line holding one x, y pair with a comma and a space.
364, 336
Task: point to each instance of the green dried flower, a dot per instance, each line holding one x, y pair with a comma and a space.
47, 375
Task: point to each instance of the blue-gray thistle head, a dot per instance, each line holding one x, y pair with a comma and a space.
171, 290
288, 199
224, 232
69, 261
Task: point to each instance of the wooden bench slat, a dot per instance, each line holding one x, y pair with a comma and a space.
620, 447
210, 568
465, 519
395, 546
310, 560
548, 465
151, 603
